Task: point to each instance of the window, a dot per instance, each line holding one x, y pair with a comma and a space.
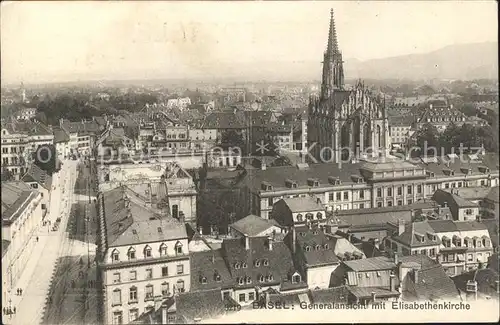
115, 256
133, 314
180, 286
131, 253
270, 201
163, 249
149, 273
419, 189
248, 280
117, 317
308, 249
459, 184
389, 191
432, 252
149, 292
175, 211
469, 257
117, 297
147, 252
410, 201
299, 217
164, 271
116, 278
319, 215
242, 297
165, 289
346, 195
389, 203
378, 274
379, 204
180, 269
400, 202
251, 296
379, 192
409, 189
330, 196
178, 248
361, 194
338, 196
361, 205
400, 190
132, 275
446, 185
296, 278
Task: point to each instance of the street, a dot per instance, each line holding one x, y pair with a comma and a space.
56, 292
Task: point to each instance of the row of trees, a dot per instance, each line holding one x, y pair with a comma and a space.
466, 136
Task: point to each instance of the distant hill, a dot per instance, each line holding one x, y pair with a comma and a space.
461, 61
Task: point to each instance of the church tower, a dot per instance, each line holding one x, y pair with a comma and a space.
333, 70
344, 125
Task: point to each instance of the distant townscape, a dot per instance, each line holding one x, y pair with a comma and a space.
159, 204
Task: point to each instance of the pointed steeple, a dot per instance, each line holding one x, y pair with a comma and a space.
333, 45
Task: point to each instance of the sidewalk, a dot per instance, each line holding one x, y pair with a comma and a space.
35, 285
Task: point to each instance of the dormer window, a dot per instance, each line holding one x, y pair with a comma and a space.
266, 262
319, 215
334, 180
178, 248
326, 246
313, 182
237, 266
248, 280
296, 278
217, 277
163, 249
303, 234
244, 265
147, 252
241, 281
317, 247
131, 253
299, 218
203, 280
256, 263
115, 256
265, 186
308, 249
486, 241
261, 278
291, 183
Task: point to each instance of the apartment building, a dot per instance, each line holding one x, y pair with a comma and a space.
144, 257
39, 180
399, 129
460, 246
82, 135
19, 140
21, 216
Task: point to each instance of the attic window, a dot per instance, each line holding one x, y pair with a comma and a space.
241, 280
367, 275
203, 280
315, 232
299, 217
303, 234
217, 277
325, 246
319, 215
256, 263
266, 262
261, 278
313, 182
134, 231
378, 274
296, 278
244, 265
147, 251
308, 249
248, 280
317, 247
159, 230
334, 180
237, 266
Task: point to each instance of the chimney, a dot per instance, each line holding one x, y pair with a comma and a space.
430, 106
415, 276
270, 243
401, 227
396, 258
247, 242
374, 297
263, 166
392, 282
376, 243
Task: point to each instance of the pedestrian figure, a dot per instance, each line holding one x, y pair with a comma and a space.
4, 310
18, 292
10, 311
21, 291
37, 239
14, 310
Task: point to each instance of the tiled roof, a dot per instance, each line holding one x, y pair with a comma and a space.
366, 292
416, 234
485, 279
462, 165
27, 127
472, 193
303, 204
442, 196
38, 175
277, 176
433, 284
209, 271
493, 195
199, 304
335, 295
389, 165
15, 196
373, 216
60, 135
226, 120
401, 120
451, 226
5, 246
279, 260
492, 225
371, 264
251, 225
315, 239
83, 127
136, 224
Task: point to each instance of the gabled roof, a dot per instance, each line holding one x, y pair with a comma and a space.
371, 264
38, 175
485, 279
279, 259
442, 196
136, 224
15, 197
493, 195
226, 120
315, 240
209, 271
432, 284
416, 232
199, 304
440, 226
251, 225
60, 135
303, 204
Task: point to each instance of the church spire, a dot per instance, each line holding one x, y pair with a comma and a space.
333, 45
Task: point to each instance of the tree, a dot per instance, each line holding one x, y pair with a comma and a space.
7, 175
232, 138
449, 138
427, 139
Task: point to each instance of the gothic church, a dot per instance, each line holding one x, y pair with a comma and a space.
345, 124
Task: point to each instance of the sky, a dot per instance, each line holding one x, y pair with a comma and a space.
65, 41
